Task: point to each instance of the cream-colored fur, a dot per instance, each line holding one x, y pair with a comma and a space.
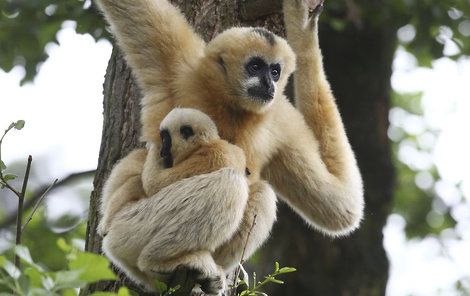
207, 176
152, 237
302, 151
202, 153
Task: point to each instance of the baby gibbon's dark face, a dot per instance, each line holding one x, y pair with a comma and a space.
262, 78
165, 152
186, 132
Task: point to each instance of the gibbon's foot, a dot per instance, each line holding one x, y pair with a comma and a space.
213, 285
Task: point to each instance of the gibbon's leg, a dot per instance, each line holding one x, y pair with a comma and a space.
197, 213
122, 186
262, 203
316, 173
112, 251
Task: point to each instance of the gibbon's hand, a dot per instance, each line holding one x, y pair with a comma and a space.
312, 9
301, 19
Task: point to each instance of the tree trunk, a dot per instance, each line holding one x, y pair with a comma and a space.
358, 64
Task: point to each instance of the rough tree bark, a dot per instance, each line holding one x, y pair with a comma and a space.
358, 63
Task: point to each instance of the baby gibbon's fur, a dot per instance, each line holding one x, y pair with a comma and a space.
201, 153
189, 218
238, 79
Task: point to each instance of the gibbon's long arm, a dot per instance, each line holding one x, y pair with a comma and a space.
317, 175
156, 39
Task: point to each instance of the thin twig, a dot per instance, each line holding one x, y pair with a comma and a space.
37, 205
242, 260
5, 183
36, 195
19, 216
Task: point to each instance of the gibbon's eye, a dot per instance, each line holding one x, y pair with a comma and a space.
186, 132
276, 71
247, 172
254, 66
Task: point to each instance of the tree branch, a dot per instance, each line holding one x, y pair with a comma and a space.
19, 215
10, 219
37, 204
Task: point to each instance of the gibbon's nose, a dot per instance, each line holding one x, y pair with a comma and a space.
268, 86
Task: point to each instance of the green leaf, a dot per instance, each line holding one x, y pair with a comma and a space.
69, 279
24, 254
160, 286
276, 266
273, 280
19, 124
35, 277
103, 294
39, 292
9, 177
93, 267
62, 244
10, 268
2, 166
69, 292
23, 283
174, 289
123, 291
286, 270
48, 283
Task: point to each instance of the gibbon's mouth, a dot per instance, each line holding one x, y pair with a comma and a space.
262, 95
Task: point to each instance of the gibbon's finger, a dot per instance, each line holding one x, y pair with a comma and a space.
314, 14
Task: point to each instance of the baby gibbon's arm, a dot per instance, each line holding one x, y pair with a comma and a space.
156, 39
315, 171
208, 158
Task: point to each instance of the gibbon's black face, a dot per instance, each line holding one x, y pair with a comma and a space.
165, 152
262, 78
186, 132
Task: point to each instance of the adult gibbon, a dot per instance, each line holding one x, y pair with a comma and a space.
238, 79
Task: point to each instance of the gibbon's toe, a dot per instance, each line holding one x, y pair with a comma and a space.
212, 285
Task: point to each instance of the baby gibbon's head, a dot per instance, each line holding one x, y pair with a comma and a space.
253, 64
183, 131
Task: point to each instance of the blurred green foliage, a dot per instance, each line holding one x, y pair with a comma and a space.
417, 205
27, 26
82, 268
